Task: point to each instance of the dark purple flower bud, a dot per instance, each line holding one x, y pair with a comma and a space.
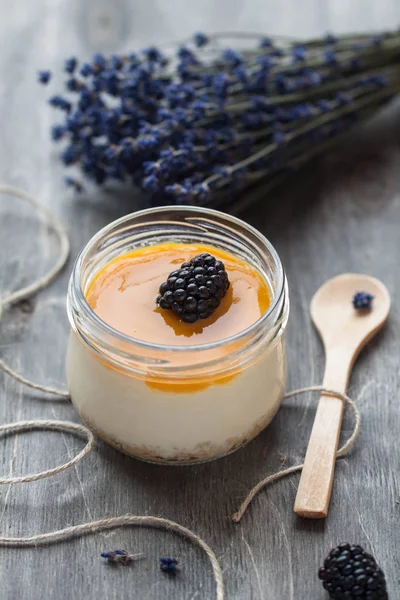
85, 99
151, 183
203, 192
278, 138
283, 84
167, 154
331, 39
364, 80
241, 73
176, 190
362, 301
148, 142
221, 84
233, 57
259, 102
185, 71
323, 105
119, 557
380, 80
199, 108
298, 53
111, 153
330, 57
223, 171
73, 85
314, 77
306, 110
116, 62
77, 187
99, 62
265, 62
111, 82
355, 63
70, 65
70, 155
60, 102
169, 565
277, 52
44, 77
188, 56
152, 54
200, 39
57, 132
151, 168
142, 74
266, 43
133, 58
376, 40
86, 70
342, 98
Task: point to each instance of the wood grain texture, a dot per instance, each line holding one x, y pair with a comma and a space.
340, 214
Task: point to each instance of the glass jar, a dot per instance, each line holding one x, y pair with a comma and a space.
176, 404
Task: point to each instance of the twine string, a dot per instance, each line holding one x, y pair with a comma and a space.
345, 449
58, 228
77, 429
63, 426
123, 521
41, 282
36, 386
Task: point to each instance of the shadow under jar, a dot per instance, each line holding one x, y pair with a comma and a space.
176, 404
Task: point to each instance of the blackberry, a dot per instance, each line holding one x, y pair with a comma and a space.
351, 573
195, 290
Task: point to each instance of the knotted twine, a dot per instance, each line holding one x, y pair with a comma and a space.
81, 430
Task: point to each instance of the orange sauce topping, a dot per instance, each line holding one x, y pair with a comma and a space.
123, 294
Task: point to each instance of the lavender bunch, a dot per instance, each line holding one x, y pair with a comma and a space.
196, 125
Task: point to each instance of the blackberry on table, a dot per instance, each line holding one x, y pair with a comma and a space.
350, 573
195, 290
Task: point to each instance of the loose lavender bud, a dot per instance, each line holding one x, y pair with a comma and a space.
169, 565
70, 65
200, 39
362, 301
57, 132
44, 77
266, 43
74, 184
60, 102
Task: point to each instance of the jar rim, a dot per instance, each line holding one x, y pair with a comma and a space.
107, 329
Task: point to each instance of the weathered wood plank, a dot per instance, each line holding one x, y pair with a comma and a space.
340, 214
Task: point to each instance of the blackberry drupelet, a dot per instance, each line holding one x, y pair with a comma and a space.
195, 290
350, 573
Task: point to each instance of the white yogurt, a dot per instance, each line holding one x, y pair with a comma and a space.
156, 425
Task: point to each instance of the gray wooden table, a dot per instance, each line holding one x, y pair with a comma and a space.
340, 214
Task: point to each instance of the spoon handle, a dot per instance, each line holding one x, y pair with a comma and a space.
315, 487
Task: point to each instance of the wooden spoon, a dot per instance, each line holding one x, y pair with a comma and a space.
344, 332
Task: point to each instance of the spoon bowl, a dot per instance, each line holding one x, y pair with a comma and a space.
335, 318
